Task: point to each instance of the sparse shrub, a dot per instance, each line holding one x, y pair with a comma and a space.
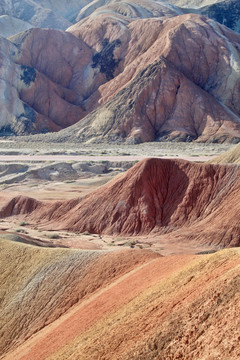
86, 233
21, 231
23, 223
131, 243
54, 236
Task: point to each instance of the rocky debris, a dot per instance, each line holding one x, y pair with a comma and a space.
184, 200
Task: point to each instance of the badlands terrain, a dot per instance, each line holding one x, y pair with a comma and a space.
128, 252
123, 72
120, 180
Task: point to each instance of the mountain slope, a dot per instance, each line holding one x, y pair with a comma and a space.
166, 307
53, 79
185, 201
38, 285
151, 108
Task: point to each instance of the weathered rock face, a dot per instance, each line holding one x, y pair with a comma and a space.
39, 93
54, 79
175, 104
181, 199
151, 108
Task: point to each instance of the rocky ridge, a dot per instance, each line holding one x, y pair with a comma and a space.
118, 305
184, 98
195, 202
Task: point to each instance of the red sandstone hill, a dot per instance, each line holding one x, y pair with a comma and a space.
190, 201
54, 79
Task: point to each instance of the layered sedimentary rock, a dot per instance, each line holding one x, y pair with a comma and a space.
198, 202
160, 103
40, 284
52, 79
128, 304
130, 9
36, 93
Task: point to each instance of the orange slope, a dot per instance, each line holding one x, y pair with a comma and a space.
177, 307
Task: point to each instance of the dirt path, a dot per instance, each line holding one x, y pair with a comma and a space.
88, 312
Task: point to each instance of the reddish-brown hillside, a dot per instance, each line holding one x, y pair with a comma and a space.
183, 200
39, 284
55, 79
140, 307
